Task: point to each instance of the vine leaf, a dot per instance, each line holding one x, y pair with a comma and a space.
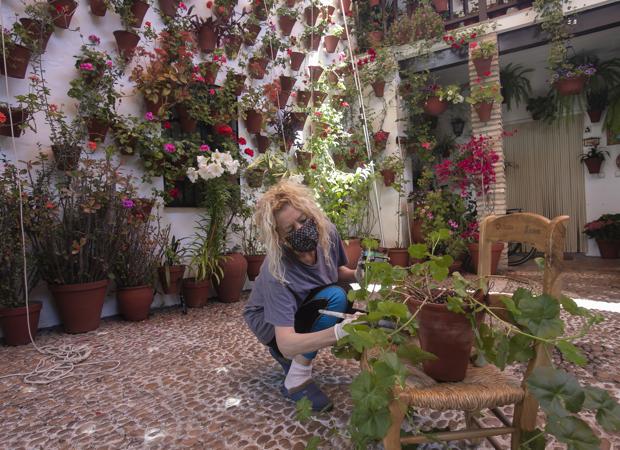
371, 391
539, 314
417, 251
520, 348
607, 408
558, 392
414, 354
572, 353
574, 432
572, 308
533, 440
371, 424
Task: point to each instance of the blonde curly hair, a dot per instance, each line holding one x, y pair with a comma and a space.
298, 196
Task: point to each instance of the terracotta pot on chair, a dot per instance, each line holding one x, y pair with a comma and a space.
254, 264
134, 303
14, 323
398, 257
235, 269
79, 305
353, 249
196, 293
496, 253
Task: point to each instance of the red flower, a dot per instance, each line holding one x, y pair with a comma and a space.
455, 46
473, 44
209, 4
318, 113
426, 145
148, 24
473, 35
182, 5
223, 129
249, 152
478, 80
174, 193
313, 166
92, 145
167, 125
50, 205
211, 91
2, 118
241, 141
344, 104
487, 73
289, 51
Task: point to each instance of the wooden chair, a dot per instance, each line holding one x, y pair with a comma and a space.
487, 387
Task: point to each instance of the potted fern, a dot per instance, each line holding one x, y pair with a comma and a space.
593, 159
516, 87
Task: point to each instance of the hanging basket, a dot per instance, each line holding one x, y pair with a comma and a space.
16, 62
287, 83
484, 111
34, 28
207, 37
62, 12
317, 98
297, 58
482, 65
346, 7
379, 88
303, 159
594, 164
311, 14
331, 42
251, 34
126, 41
232, 45
435, 107
98, 7
19, 116
570, 86
286, 24
239, 83
258, 67
253, 121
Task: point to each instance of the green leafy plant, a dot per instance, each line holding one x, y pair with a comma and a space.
484, 49
516, 87
247, 229
377, 65
606, 227
484, 93
594, 153
204, 252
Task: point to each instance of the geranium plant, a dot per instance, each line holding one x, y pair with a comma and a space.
606, 227
485, 49
484, 93
377, 65
450, 93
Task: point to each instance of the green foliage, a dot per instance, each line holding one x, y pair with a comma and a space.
516, 87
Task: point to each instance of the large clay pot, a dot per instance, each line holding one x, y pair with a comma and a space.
608, 249
98, 7
79, 305
187, 123
484, 111
417, 236
570, 86
126, 41
168, 7
286, 24
297, 58
435, 107
173, 284
196, 293
14, 323
448, 336
254, 264
62, 12
496, 253
379, 88
207, 37
398, 257
235, 268
253, 121
138, 10
311, 13
482, 65
134, 303
36, 33
19, 116
16, 62
331, 42
594, 164
353, 249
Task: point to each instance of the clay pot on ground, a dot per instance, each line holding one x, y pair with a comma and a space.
126, 41
331, 42
417, 236
97, 129
353, 249
388, 177
593, 164
168, 7
196, 293
18, 58
98, 7
18, 115
62, 12
66, 158
207, 37
254, 264
186, 122
79, 305
297, 58
379, 88
448, 336
440, 5
398, 257
496, 253
435, 107
311, 13
608, 249
138, 10
262, 143
312, 42
570, 86
253, 121
235, 269
171, 284
484, 111
14, 323
286, 24
134, 303
34, 28
595, 115
482, 65
303, 97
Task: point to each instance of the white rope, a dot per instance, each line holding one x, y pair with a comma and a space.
61, 360
402, 157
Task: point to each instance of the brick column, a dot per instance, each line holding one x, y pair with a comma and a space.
493, 129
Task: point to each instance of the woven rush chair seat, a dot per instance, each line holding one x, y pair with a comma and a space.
483, 387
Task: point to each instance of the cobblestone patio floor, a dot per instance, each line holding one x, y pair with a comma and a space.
202, 381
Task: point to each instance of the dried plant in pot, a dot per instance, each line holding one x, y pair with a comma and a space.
247, 230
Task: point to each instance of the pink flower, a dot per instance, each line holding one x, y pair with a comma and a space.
473, 44
344, 104
127, 203
109, 63
87, 66
211, 91
92, 145
205, 148
149, 116
318, 113
148, 24
426, 145
182, 5
94, 39
169, 148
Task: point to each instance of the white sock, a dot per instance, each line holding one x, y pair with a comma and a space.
297, 375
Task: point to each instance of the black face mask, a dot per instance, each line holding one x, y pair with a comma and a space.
304, 239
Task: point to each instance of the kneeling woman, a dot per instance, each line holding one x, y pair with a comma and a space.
305, 261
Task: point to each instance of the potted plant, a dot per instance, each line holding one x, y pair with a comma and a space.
332, 38
62, 12
286, 19
257, 65
392, 169
271, 45
606, 231
253, 106
380, 139
253, 248
377, 67
16, 53
516, 87
482, 96
311, 36
38, 26
296, 57
311, 12
18, 320
593, 159
569, 79
135, 264
208, 33
232, 37
439, 97
172, 270
251, 30
17, 115
482, 54
131, 12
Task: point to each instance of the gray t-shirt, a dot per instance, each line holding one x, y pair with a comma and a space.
271, 303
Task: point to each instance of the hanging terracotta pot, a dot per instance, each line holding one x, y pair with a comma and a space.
154, 107
283, 98
484, 111
62, 11
207, 37
134, 303
171, 281
14, 323
297, 58
331, 42
258, 67
595, 115
97, 129
196, 293
346, 7
608, 249
290, 3
570, 86
353, 249
138, 11
169, 7
126, 41
332, 77
303, 97
594, 164
239, 83
262, 143
232, 45
379, 88
98, 7
482, 65
315, 72
235, 269
254, 177
253, 121
66, 158
287, 83
398, 257
389, 176
328, 11
311, 13
298, 120
375, 38
440, 5
79, 305
286, 24
272, 51
435, 107
18, 116
318, 97
211, 73
251, 34
35, 31
312, 42
17, 61
187, 123
496, 253
254, 264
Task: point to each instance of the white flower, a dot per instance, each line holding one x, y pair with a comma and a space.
212, 170
192, 174
232, 166
218, 157
202, 160
459, 99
